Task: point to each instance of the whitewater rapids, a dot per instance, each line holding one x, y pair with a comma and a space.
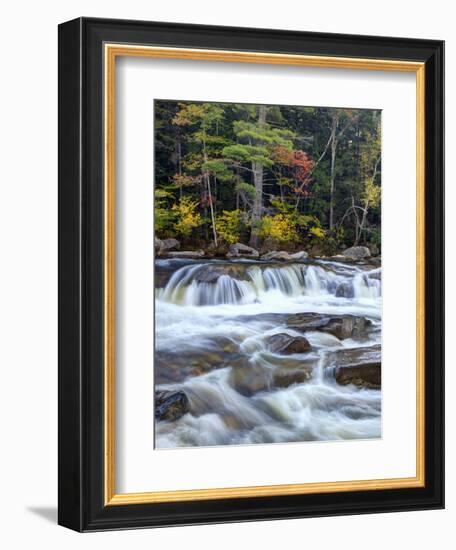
213, 320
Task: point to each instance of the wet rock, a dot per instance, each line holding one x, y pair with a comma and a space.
161, 278
186, 254
347, 326
248, 379
285, 344
302, 255
233, 422
284, 256
175, 366
284, 378
164, 270
277, 256
170, 405
359, 366
344, 326
375, 274
357, 253
240, 250
212, 273
304, 322
345, 290
340, 258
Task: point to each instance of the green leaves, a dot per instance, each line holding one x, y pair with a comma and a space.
246, 188
267, 161
219, 169
245, 153
261, 135
230, 226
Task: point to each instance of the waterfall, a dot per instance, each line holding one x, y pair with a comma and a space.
225, 291
365, 287
200, 285
288, 280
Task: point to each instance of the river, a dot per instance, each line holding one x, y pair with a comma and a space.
261, 352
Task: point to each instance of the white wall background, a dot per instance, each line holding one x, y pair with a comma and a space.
28, 274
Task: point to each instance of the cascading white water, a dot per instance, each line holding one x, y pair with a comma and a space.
287, 280
364, 287
219, 328
185, 288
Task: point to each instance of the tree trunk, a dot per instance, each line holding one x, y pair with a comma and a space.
208, 187
257, 169
361, 226
179, 162
332, 179
208, 182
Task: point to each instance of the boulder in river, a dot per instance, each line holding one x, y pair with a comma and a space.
345, 290
170, 405
343, 326
284, 378
162, 246
285, 344
239, 250
357, 253
302, 255
284, 256
359, 366
280, 255
248, 379
186, 254
171, 244
347, 326
211, 273
173, 366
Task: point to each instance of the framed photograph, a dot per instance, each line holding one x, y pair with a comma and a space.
251, 312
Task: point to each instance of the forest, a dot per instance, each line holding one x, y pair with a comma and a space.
267, 176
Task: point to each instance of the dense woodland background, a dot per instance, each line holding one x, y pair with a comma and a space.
272, 177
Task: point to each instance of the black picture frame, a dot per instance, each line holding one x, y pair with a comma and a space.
81, 400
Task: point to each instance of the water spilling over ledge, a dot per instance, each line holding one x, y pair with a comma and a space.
205, 284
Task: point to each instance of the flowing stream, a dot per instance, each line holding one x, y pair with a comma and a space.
215, 326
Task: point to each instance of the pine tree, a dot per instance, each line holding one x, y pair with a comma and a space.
256, 142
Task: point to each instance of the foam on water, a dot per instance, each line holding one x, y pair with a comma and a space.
191, 314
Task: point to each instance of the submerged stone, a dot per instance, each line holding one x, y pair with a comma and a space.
285, 344
170, 405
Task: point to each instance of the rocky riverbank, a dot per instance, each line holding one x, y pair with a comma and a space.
171, 248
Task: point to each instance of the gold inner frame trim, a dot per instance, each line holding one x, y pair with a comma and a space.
111, 52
